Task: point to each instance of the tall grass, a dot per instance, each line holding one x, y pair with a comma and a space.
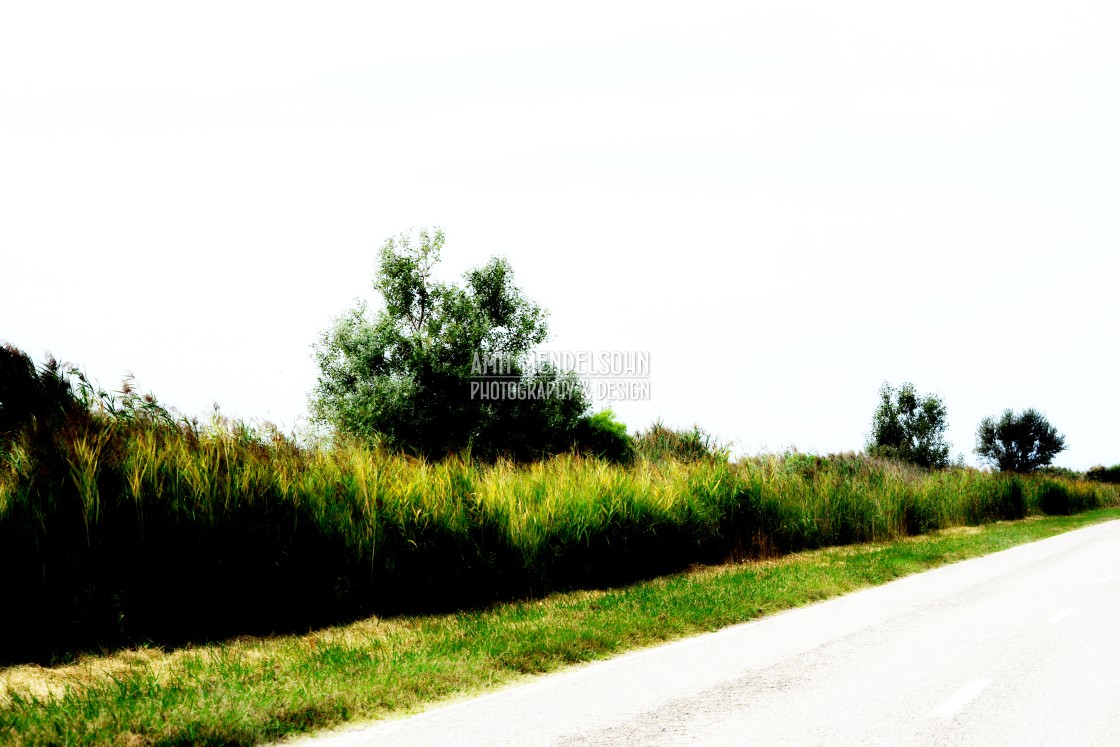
118, 524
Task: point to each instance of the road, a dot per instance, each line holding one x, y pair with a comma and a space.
1019, 647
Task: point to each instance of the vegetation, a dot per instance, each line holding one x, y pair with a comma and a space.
441, 368
1018, 442
1104, 474
120, 524
124, 525
258, 689
602, 435
663, 444
909, 427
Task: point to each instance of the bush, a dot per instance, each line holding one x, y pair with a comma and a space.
31, 398
1006, 499
1055, 499
1064, 473
661, 443
1110, 475
602, 436
1064, 497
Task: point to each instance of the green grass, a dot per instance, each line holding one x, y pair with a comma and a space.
250, 690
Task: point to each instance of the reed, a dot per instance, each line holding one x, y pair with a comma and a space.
128, 530
120, 523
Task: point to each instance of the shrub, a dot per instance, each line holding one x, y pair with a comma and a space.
1064, 497
1064, 473
603, 436
1054, 498
661, 443
999, 497
1104, 474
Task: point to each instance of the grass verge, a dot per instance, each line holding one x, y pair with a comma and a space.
252, 690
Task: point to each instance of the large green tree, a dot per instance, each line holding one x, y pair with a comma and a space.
422, 373
1018, 442
910, 427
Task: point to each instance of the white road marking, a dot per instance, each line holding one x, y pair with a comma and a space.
1060, 615
960, 698
1106, 580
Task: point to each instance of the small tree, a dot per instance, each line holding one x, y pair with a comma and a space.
1018, 443
909, 427
406, 374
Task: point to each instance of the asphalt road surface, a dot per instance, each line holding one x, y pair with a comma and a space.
1020, 647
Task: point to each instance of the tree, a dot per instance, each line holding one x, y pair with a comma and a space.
1018, 443
441, 367
909, 427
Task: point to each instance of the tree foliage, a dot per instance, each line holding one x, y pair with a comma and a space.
419, 373
1018, 442
909, 427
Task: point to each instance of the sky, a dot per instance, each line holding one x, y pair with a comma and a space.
783, 205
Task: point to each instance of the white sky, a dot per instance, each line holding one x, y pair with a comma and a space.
785, 203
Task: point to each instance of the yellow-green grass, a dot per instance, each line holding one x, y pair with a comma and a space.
249, 690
